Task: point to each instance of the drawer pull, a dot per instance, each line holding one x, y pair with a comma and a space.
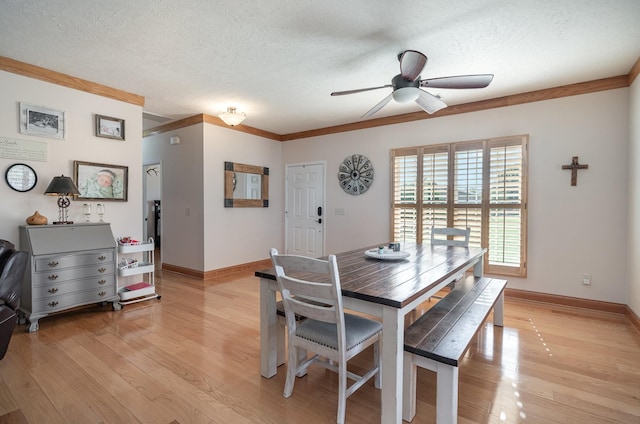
53, 304
53, 264
102, 293
102, 258
102, 269
101, 282
53, 277
53, 290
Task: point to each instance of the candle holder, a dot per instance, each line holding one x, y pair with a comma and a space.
86, 208
100, 211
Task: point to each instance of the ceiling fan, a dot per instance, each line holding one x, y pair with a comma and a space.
406, 85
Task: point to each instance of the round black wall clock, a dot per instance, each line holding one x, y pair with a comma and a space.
355, 175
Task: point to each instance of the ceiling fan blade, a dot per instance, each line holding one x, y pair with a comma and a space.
359, 90
412, 62
379, 106
460, 81
429, 102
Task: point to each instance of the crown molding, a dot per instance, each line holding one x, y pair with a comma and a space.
47, 75
515, 99
36, 72
635, 70
204, 118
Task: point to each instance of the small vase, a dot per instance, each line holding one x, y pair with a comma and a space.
37, 219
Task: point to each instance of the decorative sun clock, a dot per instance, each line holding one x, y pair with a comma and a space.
355, 175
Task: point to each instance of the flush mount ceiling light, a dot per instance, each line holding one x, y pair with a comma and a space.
406, 94
231, 117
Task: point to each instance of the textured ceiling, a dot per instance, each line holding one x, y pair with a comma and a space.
278, 60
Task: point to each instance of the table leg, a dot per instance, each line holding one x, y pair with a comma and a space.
268, 330
478, 268
392, 368
498, 311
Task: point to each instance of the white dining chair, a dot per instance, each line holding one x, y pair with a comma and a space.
450, 237
311, 288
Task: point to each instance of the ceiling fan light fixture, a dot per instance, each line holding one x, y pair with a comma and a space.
231, 117
406, 85
406, 94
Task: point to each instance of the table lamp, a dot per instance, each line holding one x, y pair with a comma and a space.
62, 187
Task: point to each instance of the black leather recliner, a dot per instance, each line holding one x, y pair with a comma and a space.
13, 264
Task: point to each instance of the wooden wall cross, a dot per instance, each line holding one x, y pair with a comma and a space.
574, 169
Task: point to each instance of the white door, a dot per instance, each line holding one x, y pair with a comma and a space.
305, 210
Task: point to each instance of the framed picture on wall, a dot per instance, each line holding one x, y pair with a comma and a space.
41, 121
99, 181
109, 127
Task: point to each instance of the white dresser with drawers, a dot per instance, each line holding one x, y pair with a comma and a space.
70, 265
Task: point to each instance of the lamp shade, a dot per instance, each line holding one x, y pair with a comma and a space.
231, 117
61, 185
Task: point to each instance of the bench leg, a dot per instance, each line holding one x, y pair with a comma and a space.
498, 311
446, 388
409, 377
447, 395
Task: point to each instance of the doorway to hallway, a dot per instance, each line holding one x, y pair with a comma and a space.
152, 195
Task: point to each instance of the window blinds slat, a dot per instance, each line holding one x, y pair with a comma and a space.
504, 236
433, 217
405, 187
469, 218
405, 224
435, 178
505, 175
468, 176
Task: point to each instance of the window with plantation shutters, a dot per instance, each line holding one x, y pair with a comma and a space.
480, 185
405, 195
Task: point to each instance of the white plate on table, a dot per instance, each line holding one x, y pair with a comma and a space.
387, 254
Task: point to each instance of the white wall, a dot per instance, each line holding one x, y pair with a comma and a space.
572, 230
80, 144
182, 185
234, 236
198, 232
634, 199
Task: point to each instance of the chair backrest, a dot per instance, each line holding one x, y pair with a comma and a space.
310, 287
12, 269
450, 236
6, 248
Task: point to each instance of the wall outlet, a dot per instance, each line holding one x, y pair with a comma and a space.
586, 279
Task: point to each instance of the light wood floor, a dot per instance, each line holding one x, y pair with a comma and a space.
193, 357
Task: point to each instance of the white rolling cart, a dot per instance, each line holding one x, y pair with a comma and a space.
129, 290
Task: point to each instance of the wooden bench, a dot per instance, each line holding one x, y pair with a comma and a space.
439, 339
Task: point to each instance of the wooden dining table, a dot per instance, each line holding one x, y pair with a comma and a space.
387, 289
